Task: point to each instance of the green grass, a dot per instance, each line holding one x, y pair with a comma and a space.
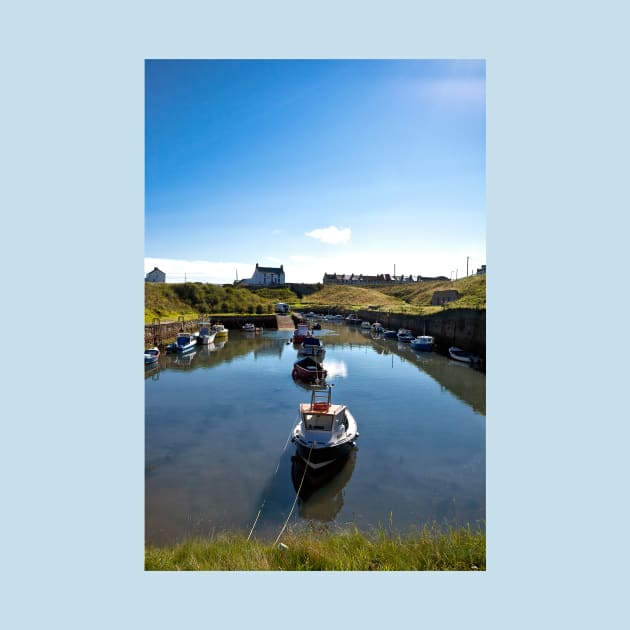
400, 298
170, 301
430, 549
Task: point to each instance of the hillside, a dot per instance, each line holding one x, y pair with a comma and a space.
472, 291
170, 301
401, 297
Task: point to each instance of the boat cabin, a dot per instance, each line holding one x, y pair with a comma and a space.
332, 420
321, 416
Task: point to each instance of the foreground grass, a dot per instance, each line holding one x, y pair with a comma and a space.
426, 550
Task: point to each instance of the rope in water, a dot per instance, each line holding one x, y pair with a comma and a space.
297, 494
262, 505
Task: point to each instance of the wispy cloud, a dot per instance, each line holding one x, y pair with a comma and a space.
331, 235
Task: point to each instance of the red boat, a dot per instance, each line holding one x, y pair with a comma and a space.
307, 369
301, 333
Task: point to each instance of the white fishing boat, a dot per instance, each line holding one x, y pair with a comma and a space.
206, 334
151, 356
458, 354
325, 432
405, 335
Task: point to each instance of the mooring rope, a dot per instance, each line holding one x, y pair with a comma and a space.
297, 494
262, 505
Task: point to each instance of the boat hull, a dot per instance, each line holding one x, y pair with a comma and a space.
457, 354
319, 458
308, 370
422, 347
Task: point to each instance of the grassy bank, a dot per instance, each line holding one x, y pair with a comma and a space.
426, 550
400, 298
170, 301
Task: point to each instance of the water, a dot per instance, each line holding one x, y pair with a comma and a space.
218, 458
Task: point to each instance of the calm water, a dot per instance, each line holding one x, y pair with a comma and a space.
217, 423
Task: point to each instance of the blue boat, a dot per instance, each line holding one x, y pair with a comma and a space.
423, 342
390, 334
185, 342
312, 346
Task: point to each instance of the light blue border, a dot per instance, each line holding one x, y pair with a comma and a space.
72, 116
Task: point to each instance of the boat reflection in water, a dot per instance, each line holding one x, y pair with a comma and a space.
321, 491
181, 361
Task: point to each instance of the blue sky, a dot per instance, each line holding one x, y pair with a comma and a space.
346, 166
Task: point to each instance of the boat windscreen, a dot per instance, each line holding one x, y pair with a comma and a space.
318, 422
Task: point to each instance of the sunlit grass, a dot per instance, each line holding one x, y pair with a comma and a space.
429, 549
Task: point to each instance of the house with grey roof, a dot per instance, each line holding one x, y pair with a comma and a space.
266, 276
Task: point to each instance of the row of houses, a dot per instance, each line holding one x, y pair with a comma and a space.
274, 276
382, 278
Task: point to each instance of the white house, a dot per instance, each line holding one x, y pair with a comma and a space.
155, 276
266, 276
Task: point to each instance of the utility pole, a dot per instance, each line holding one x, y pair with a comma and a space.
467, 257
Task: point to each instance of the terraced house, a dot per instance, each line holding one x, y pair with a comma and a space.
382, 278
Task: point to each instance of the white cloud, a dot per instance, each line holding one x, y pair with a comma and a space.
331, 235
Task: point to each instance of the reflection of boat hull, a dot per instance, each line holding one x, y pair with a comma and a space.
307, 480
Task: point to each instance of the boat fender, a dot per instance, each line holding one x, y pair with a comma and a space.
294, 373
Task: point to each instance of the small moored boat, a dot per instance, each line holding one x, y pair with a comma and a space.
220, 330
461, 355
325, 432
151, 356
390, 334
185, 342
312, 346
206, 334
423, 342
301, 333
405, 335
249, 327
308, 369
353, 320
